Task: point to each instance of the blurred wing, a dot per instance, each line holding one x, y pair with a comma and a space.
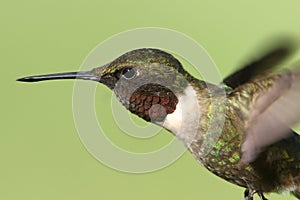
266, 63
273, 115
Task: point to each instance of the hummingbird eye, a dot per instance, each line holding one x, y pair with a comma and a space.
129, 73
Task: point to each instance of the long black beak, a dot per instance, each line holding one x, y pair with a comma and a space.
86, 75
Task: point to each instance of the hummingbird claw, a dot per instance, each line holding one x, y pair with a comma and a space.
248, 194
261, 196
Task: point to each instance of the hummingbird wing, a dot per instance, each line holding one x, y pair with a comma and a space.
264, 64
272, 114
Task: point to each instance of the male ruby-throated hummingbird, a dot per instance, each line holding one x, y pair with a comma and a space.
250, 112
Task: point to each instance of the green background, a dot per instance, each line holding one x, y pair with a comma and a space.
41, 154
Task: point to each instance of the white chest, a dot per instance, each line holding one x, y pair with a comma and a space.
183, 122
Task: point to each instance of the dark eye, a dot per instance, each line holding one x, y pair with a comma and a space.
129, 72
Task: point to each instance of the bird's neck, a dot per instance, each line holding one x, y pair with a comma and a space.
189, 118
180, 111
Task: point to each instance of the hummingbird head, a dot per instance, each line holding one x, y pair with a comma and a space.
147, 82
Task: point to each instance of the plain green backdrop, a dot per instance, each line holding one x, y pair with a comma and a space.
41, 154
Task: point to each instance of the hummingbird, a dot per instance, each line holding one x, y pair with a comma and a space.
239, 129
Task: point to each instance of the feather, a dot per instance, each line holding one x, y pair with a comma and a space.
272, 115
267, 62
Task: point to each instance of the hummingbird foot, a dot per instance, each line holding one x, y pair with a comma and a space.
261, 196
248, 194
